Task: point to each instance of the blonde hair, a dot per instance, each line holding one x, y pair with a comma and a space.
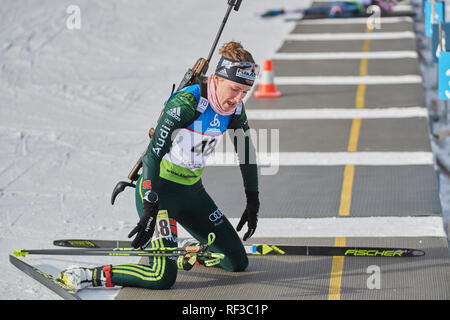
235, 51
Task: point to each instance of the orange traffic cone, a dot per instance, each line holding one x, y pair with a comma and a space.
267, 88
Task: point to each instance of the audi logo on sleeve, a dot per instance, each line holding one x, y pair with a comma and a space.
216, 217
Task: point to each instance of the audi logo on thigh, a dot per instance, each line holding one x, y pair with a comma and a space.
216, 215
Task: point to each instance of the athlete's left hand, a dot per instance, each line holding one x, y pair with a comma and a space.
250, 214
146, 225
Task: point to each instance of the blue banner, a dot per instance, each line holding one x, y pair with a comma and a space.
444, 76
435, 40
438, 15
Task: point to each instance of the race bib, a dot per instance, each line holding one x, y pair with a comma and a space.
165, 227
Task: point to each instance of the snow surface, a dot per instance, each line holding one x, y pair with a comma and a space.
76, 105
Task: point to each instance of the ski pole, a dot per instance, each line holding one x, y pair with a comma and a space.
201, 66
231, 4
127, 252
196, 250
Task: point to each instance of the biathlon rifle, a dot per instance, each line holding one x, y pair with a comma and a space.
191, 76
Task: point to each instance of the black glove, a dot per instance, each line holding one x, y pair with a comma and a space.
146, 226
250, 214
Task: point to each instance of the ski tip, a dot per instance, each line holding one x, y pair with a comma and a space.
417, 253
20, 253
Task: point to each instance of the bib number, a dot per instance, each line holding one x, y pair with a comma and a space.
162, 228
206, 147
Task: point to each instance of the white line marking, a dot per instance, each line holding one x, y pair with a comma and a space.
348, 80
275, 159
429, 226
349, 113
402, 7
343, 158
345, 55
350, 36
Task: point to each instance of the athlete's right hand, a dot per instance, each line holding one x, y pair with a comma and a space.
146, 225
250, 215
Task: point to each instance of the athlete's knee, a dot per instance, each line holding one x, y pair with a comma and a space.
165, 273
165, 282
143, 276
237, 261
241, 265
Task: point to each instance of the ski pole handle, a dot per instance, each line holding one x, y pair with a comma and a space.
231, 4
235, 3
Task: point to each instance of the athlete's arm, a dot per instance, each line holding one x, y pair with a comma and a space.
178, 111
243, 146
246, 152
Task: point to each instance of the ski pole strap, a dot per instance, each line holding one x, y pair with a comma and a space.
211, 238
211, 262
208, 259
186, 262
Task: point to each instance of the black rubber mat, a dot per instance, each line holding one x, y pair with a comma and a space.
347, 45
332, 135
400, 135
345, 67
424, 278
351, 28
342, 96
314, 191
306, 278
395, 191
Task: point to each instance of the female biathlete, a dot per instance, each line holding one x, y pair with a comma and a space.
170, 189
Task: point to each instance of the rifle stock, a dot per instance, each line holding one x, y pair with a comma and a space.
134, 173
199, 69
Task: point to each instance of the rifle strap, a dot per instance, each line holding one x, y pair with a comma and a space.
202, 101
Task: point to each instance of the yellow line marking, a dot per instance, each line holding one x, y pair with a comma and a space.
334, 292
361, 91
347, 184
354, 135
346, 195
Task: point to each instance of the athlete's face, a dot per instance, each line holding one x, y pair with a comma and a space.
229, 93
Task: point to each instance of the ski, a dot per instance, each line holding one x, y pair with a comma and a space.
126, 252
267, 249
195, 250
86, 243
45, 279
264, 249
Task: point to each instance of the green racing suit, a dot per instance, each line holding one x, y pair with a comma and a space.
172, 167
